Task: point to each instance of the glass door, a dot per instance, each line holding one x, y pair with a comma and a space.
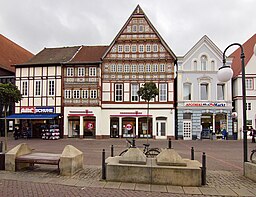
187, 134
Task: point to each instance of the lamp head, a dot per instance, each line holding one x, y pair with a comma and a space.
225, 73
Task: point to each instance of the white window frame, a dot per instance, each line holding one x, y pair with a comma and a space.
249, 83
24, 88
119, 68
223, 90
127, 48
141, 48
120, 48
76, 94
189, 85
92, 71
162, 92
85, 94
162, 67
155, 48
68, 94
126, 68
38, 87
148, 68
207, 91
141, 68
113, 68
119, 92
134, 92
148, 48
51, 86
70, 71
141, 28
155, 68
134, 48
248, 106
93, 94
134, 28
204, 62
81, 71
134, 68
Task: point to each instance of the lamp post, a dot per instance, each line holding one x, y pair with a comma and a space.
225, 73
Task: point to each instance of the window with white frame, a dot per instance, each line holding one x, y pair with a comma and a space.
148, 68
248, 106
187, 91
76, 94
120, 48
85, 94
70, 71
249, 83
213, 65
141, 28
134, 28
113, 68
37, 88
93, 94
134, 68
220, 92
118, 92
126, 68
204, 62
155, 68
119, 68
162, 67
127, 48
92, 71
155, 48
24, 90
81, 71
195, 65
162, 92
204, 91
141, 48
148, 48
68, 94
134, 92
134, 48
51, 88
141, 68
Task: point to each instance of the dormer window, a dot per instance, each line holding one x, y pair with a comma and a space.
203, 62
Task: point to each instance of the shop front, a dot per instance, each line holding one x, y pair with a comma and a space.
32, 121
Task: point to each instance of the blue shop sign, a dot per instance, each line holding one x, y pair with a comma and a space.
44, 109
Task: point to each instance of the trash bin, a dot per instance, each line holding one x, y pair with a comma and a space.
2, 161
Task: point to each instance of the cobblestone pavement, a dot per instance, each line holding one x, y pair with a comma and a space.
224, 171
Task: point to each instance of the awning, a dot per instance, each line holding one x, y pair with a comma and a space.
32, 116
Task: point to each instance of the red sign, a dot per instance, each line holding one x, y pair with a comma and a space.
129, 127
27, 109
90, 125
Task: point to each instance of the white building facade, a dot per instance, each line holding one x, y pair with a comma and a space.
204, 105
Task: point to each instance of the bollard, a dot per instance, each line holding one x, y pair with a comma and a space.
203, 169
192, 153
103, 165
170, 143
133, 142
112, 151
1, 146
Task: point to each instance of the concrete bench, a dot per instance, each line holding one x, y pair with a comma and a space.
69, 161
39, 158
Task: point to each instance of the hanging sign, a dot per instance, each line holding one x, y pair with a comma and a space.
129, 127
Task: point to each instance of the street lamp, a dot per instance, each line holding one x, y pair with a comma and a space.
225, 73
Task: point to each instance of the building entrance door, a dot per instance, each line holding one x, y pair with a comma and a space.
161, 129
187, 134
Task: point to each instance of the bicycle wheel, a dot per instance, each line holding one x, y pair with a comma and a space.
153, 152
253, 156
123, 152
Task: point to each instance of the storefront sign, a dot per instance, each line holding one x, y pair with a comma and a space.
129, 127
27, 110
37, 109
205, 104
44, 109
136, 112
90, 125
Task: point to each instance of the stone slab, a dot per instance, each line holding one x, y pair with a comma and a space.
226, 191
208, 191
175, 189
242, 192
112, 185
158, 188
191, 190
128, 186
82, 183
100, 184
142, 187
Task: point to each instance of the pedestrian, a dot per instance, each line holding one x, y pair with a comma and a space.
224, 134
253, 134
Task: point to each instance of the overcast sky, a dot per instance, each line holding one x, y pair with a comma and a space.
35, 24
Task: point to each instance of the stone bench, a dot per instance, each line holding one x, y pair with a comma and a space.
21, 156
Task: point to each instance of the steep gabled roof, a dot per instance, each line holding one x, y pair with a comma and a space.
89, 54
53, 56
248, 52
138, 12
11, 53
208, 41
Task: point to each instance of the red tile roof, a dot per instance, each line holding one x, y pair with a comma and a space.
89, 54
11, 53
248, 52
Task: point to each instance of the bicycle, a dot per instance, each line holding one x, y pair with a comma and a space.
253, 156
149, 152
